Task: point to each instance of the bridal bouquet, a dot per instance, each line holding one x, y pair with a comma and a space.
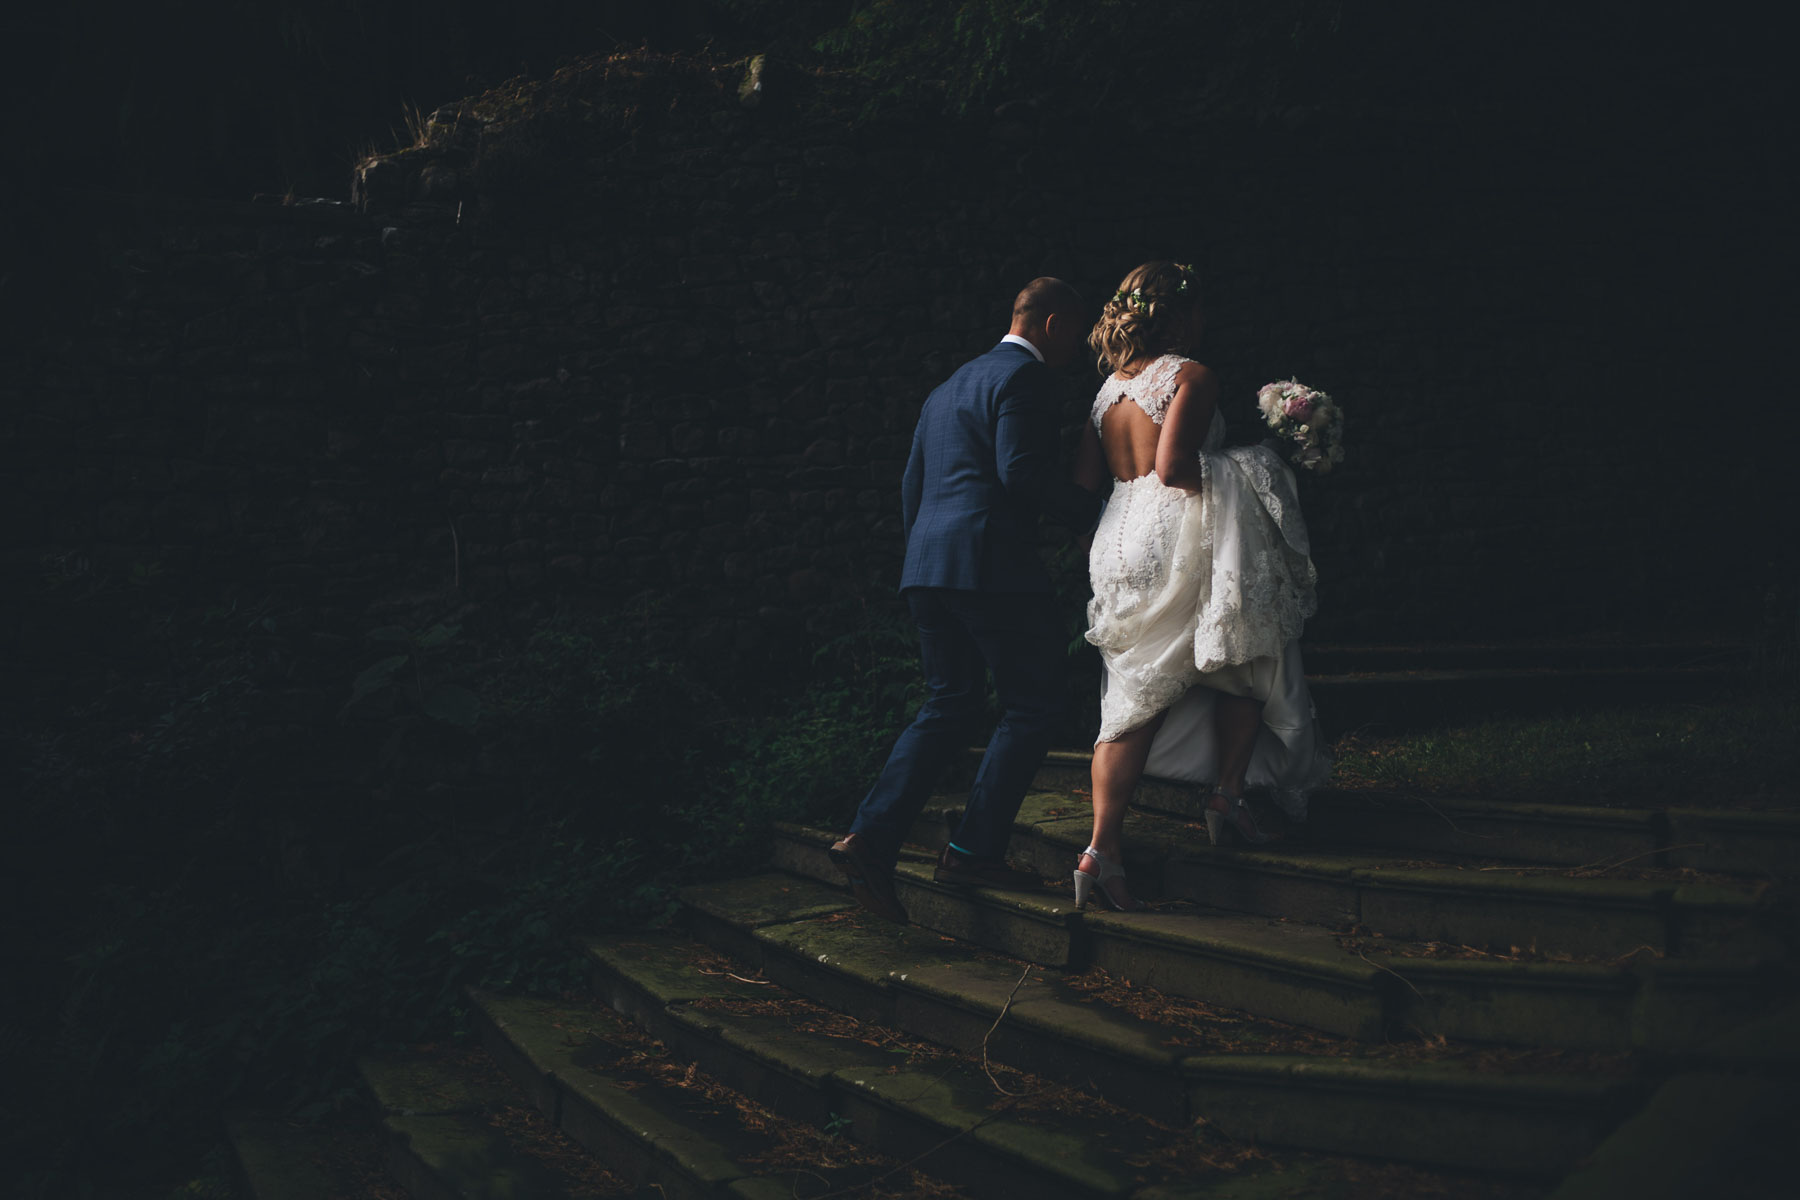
1309, 419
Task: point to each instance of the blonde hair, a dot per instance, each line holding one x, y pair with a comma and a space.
1144, 317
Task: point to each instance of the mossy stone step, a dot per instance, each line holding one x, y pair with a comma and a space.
1333, 659
916, 1106
279, 1159
1724, 1125
917, 981
1303, 974
1759, 843
1494, 905
950, 994
937, 1116
1427, 697
460, 1131
1752, 843
673, 1134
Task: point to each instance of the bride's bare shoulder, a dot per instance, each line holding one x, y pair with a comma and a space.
1196, 373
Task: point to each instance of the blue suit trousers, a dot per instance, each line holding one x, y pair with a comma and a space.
964, 635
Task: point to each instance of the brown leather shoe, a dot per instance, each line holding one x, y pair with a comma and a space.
976, 872
872, 885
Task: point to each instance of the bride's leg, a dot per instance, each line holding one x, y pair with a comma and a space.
1236, 721
1118, 765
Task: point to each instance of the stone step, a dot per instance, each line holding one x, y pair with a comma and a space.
1760, 844
458, 1129
1423, 698
664, 1126
1171, 1060
280, 1159
1343, 659
1725, 1123
1304, 974
938, 1114
1489, 905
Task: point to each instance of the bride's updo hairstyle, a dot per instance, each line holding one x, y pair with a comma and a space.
1149, 313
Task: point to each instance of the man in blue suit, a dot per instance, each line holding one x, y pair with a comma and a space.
984, 468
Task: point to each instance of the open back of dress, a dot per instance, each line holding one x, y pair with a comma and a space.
1201, 593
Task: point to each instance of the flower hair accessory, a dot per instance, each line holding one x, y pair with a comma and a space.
1307, 418
1136, 300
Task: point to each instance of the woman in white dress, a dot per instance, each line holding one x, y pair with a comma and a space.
1202, 580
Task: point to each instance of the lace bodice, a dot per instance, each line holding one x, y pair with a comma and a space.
1152, 390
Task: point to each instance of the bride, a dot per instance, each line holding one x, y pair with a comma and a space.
1202, 580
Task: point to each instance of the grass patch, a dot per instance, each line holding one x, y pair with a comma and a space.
1729, 753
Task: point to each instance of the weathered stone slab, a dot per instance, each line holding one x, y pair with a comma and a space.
1029, 925
833, 965
1289, 972
408, 1085
451, 1157
1500, 908
1758, 843
1541, 833
1569, 1005
642, 975
1443, 1115
913, 1111
1316, 888
1684, 1005
280, 1159
755, 900
551, 1050
774, 1058
724, 914
1703, 1133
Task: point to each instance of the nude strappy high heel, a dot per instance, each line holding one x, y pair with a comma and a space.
1120, 901
1235, 817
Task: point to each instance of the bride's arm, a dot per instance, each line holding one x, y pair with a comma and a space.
1090, 460
1090, 473
1184, 428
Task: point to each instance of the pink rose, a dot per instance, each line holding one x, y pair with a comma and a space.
1297, 406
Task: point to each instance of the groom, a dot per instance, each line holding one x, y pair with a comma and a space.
982, 470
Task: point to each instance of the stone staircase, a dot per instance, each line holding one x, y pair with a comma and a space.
1393, 688
1469, 999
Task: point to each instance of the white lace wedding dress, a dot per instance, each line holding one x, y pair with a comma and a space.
1201, 593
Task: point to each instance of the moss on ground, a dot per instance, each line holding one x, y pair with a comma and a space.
1740, 752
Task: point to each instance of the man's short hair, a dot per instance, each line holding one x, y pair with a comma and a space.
1045, 295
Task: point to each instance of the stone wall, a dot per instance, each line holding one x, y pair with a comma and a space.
683, 367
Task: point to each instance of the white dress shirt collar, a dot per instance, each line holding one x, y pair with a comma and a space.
1017, 340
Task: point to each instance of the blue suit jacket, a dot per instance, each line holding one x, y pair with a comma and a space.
983, 469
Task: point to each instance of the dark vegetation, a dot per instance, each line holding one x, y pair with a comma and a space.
230, 903
232, 864
216, 98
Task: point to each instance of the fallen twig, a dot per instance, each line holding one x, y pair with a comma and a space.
1599, 866
1391, 971
1454, 827
1004, 1008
